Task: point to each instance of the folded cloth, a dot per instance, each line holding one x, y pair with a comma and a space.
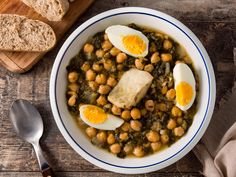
217, 149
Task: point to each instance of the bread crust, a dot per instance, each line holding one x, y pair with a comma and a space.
19, 33
53, 10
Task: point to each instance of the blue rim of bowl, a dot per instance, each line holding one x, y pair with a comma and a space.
209, 86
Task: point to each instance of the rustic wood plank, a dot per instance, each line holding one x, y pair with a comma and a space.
201, 10
22, 61
212, 21
95, 174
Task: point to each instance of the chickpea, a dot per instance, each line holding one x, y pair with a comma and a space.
156, 126
116, 110
166, 57
178, 61
179, 131
152, 136
149, 105
120, 67
91, 132
120, 73
164, 138
106, 46
108, 65
125, 127
167, 44
171, 124
107, 106
155, 58
135, 113
114, 51
107, 55
111, 139
135, 125
97, 67
90, 75
73, 77
153, 47
100, 53
115, 148
124, 136
163, 131
187, 59
111, 81
162, 107
146, 145
104, 89
149, 68
139, 64
71, 93
85, 67
143, 112
160, 35
72, 100
101, 100
164, 90
73, 87
121, 57
138, 151
102, 137
175, 111
93, 85
106, 37
170, 95
184, 125
101, 79
128, 148
179, 120
88, 48
126, 115
156, 146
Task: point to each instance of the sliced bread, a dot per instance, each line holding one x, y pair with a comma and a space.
18, 33
53, 10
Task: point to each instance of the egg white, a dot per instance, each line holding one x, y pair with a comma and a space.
111, 123
182, 73
116, 33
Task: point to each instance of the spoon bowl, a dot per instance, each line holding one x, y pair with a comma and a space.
28, 124
27, 116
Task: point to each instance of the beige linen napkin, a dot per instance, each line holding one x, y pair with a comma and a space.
217, 149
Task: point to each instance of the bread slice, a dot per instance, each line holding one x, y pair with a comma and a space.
18, 33
53, 10
131, 88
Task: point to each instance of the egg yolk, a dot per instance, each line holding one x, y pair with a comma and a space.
184, 93
95, 115
134, 44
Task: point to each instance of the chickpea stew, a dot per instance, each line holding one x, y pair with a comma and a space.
155, 114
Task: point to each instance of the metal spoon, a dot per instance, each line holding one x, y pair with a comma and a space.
28, 124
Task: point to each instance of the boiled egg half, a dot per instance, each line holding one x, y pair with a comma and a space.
97, 118
184, 86
128, 40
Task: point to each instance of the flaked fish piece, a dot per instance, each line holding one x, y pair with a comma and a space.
131, 88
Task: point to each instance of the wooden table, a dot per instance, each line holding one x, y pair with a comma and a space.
213, 21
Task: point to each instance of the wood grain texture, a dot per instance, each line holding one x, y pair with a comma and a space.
104, 174
20, 62
218, 35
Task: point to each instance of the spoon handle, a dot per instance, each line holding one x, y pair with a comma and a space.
48, 172
45, 168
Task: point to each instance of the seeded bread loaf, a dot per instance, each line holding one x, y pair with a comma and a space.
18, 33
53, 10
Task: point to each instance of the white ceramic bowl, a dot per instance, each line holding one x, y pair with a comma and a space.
156, 20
